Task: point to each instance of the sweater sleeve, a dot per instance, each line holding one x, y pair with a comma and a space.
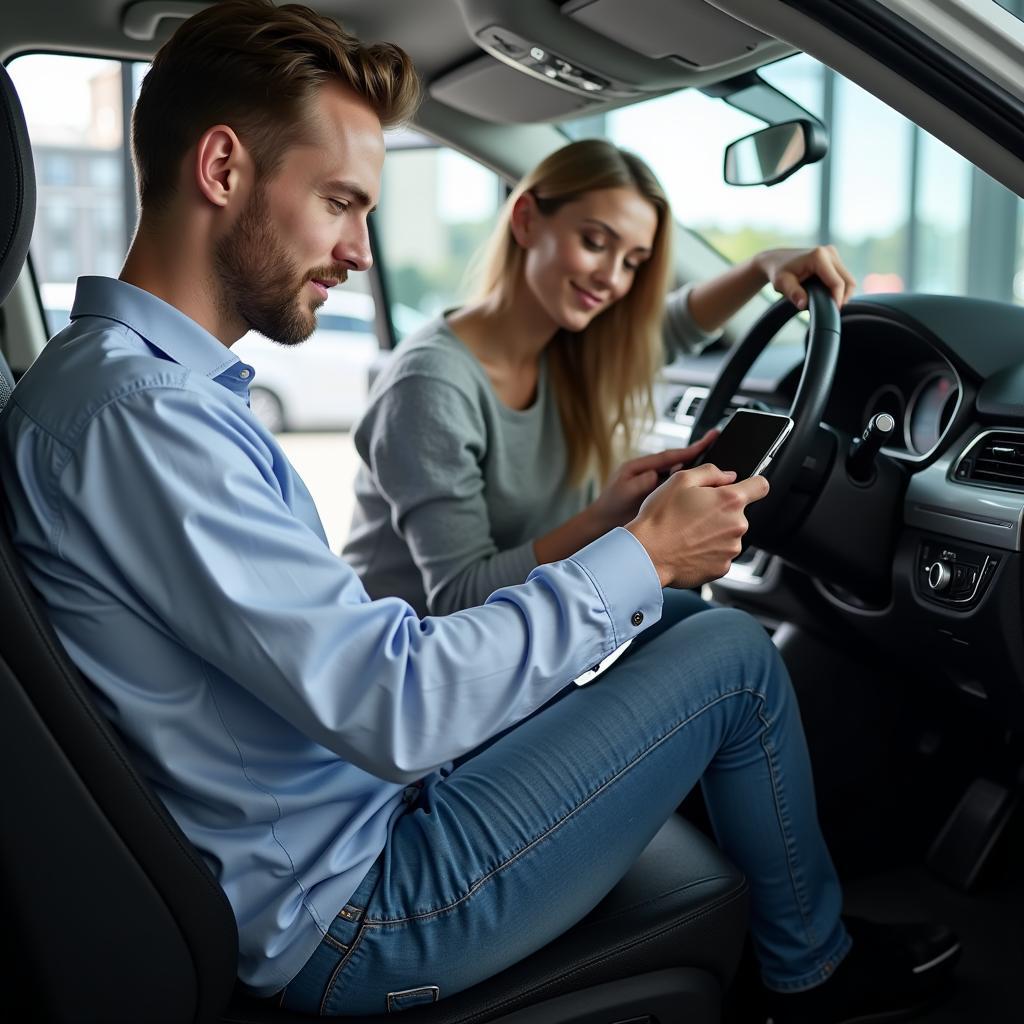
423, 440
682, 334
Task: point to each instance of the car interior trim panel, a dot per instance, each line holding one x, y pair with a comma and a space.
982, 515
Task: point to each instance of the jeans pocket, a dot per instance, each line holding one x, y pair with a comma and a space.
398, 1001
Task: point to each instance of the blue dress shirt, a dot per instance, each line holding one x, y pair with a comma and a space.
278, 712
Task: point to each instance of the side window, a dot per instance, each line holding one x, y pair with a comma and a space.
437, 208
78, 110
74, 107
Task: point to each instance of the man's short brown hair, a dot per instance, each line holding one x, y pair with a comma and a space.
251, 65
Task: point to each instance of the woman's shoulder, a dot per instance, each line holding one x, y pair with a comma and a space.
430, 378
434, 353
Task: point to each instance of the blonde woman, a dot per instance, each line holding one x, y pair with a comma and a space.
490, 442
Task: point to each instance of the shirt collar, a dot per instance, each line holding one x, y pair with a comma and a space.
158, 323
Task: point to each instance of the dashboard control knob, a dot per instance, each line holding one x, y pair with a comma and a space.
939, 575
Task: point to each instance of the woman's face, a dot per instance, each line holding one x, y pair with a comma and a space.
584, 257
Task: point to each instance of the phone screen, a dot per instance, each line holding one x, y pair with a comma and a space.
748, 441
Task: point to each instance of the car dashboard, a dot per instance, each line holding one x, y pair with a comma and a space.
886, 367
924, 560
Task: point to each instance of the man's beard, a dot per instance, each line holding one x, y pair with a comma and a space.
260, 283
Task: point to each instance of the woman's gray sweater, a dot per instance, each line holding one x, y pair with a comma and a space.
455, 486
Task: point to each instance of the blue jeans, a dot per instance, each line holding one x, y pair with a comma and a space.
483, 866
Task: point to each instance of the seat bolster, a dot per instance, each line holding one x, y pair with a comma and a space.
682, 904
74, 771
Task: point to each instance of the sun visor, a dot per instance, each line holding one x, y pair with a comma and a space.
493, 91
689, 31
548, 61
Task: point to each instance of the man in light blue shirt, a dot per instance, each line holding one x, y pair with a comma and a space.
301, 734
189, 577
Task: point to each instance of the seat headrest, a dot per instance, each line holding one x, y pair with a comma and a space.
17, 186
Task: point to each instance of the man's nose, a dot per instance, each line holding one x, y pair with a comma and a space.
353, 249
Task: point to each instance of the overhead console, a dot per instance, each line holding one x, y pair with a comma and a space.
546, 60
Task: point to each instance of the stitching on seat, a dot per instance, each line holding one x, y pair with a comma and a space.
511, 1002
648, 902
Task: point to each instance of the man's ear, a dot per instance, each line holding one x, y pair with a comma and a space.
221, 165
523, 222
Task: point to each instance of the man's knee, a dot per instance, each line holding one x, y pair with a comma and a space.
730, 625
738, 640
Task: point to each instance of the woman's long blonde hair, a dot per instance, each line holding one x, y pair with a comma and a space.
603, 375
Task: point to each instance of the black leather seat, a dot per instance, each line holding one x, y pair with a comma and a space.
111, 915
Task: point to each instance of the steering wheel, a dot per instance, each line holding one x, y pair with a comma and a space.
823, 332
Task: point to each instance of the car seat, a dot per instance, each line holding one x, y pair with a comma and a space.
112, 915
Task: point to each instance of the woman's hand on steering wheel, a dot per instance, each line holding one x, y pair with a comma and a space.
786, 269
620, 500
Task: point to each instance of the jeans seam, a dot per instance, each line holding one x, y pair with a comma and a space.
821, 974
782, 816
426, 915
333, 980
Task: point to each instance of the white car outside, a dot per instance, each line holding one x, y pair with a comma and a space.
322, 383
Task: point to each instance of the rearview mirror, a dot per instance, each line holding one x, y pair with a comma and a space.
774, 153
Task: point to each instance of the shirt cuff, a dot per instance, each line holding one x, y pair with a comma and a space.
681, 331
622, 571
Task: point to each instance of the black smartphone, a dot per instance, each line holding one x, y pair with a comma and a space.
748, 442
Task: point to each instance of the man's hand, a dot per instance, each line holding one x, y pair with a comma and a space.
693, 525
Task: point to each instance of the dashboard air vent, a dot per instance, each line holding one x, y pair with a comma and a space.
683, 408
996, 459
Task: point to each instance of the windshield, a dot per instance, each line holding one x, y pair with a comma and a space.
906, 212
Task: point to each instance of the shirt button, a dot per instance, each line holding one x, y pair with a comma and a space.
638, 618
244, 374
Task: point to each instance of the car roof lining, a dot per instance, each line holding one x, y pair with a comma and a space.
624, 50
436, 35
